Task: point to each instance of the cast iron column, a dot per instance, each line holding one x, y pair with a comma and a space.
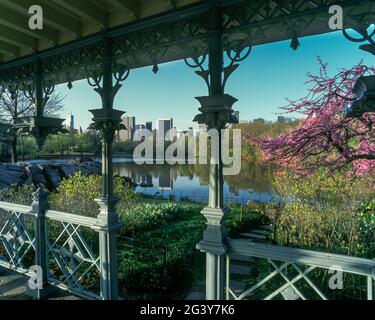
216, 112
39, 91
107, 120
39, 207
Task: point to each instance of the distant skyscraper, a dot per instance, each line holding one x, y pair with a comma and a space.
149, 125
129, 123
164, 125
69, 124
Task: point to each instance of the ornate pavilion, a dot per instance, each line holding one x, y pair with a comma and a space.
104, 40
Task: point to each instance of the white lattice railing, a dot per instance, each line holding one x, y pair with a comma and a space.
71, 247
74, 259
292, 271
17, 243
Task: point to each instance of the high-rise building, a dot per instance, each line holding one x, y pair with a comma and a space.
149, 125
128, 133
69, 123
164, 125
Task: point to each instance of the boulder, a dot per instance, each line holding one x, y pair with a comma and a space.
68, 169
49, 174
80, 160
12, 177
52, 175
36, 174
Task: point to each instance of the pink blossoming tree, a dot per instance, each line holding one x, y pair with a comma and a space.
326, 137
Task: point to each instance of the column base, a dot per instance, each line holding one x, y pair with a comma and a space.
215, 233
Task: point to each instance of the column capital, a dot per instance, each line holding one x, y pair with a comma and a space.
39, 127
216, 111
107, 121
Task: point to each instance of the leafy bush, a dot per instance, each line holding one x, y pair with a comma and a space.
18, 194
319, 212
241, 218
77, 195
151, 215
158, 262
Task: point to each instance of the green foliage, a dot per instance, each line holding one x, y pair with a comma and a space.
365, 222
77, 195
18, 194
157, 262
319, 212
242, 218
259, 129
124, 147
150, 215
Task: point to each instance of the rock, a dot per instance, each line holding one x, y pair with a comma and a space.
52, 175
36, 175
9, 177
68, 169
91, 169
80, 160
48, 174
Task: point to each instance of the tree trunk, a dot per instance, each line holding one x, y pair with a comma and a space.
13, 150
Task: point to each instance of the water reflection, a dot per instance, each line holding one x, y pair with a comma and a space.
191, 181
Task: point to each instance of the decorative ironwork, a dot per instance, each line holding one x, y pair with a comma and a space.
291, 276
16, 240
73, 261
362, 26
248, 23
216, 111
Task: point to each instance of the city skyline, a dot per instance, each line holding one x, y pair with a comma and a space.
150, 96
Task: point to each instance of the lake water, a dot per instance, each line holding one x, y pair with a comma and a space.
191, 181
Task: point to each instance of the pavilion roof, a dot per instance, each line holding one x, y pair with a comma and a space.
148, 32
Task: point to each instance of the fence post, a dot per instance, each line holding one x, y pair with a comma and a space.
38, 286
108, 226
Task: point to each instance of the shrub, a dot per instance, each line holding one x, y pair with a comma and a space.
18, 194
77, 194
158, 262
241, 218
318, 212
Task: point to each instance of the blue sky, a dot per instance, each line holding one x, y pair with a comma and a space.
270, 74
